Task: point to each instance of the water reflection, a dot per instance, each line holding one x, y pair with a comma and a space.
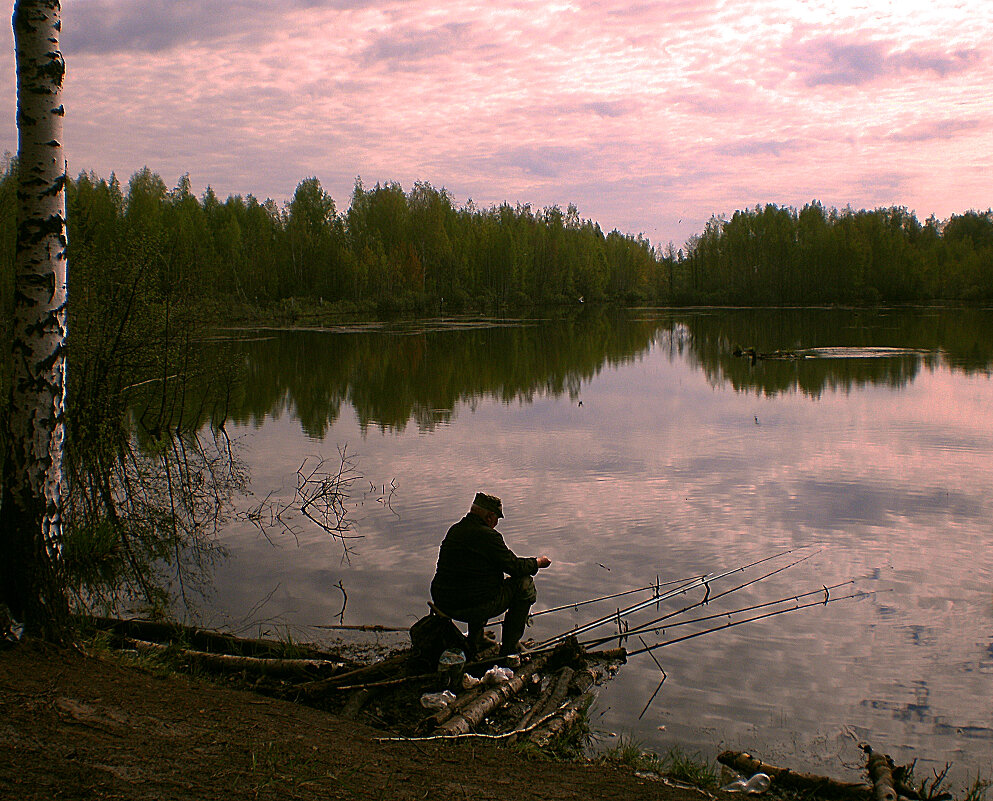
401, 375
394, 377
682, 459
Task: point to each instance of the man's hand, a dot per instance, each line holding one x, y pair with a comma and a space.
543, 561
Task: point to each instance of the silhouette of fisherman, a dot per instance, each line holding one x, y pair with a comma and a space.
479, 578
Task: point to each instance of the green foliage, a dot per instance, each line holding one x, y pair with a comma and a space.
395, 251
146, 485
977, 790
400, 252
676, 764
691, 769
778, 256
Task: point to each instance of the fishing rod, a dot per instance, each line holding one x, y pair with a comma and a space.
707, 598
646, 627
656, 586
825, 602
691, 585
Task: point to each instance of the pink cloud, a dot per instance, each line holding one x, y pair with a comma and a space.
850, 62
937, 129
640, 113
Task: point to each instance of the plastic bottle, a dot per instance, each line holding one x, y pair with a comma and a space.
451, 659
451, 664
756, 785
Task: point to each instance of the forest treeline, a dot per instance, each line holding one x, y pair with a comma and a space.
417, 251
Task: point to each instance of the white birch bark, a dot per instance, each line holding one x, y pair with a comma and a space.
31, 505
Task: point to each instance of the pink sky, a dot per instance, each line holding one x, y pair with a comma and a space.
649, 116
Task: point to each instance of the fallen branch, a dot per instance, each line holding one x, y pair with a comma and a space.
367, 676
361, 627
563, 719
542, 703
560, 689
201, 639
433, 721
232, 662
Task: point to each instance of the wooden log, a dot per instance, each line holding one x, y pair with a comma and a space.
466, 719
880, 770
555, 699
436, 719
785, 778
562, 722
233, 663
202, 639
385, 669
609, 655
542, 702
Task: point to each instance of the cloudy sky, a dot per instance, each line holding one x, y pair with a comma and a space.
649, 116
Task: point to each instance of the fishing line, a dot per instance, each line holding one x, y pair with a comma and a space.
691, 585
825, 602
644, 628
654, 586
708, 599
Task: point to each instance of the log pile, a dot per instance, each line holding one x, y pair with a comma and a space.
542, 700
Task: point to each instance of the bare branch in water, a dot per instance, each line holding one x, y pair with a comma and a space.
344, 601
324, 494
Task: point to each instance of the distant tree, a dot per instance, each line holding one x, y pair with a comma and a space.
31, 506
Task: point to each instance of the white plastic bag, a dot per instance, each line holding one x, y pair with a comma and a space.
498, 675
437, 700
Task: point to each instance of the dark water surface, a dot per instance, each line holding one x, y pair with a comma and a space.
636, 448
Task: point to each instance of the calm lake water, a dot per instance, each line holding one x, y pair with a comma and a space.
633, 448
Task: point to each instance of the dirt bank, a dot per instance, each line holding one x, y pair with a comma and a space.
74, 726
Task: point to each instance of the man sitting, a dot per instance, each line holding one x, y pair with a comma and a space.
478, 577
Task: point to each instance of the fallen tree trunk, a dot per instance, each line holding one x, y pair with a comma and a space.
386, 669
542, 702
556, 726
880, 770
609, 654
433, 721
201, 639
466, 719
559, 691
785, 778
230, 662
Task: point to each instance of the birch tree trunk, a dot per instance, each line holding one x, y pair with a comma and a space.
31, 501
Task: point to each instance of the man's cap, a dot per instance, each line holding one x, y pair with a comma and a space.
491, 503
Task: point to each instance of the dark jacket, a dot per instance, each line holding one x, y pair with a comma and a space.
472, 563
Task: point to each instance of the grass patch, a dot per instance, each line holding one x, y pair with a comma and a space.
676, 764
977, 790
